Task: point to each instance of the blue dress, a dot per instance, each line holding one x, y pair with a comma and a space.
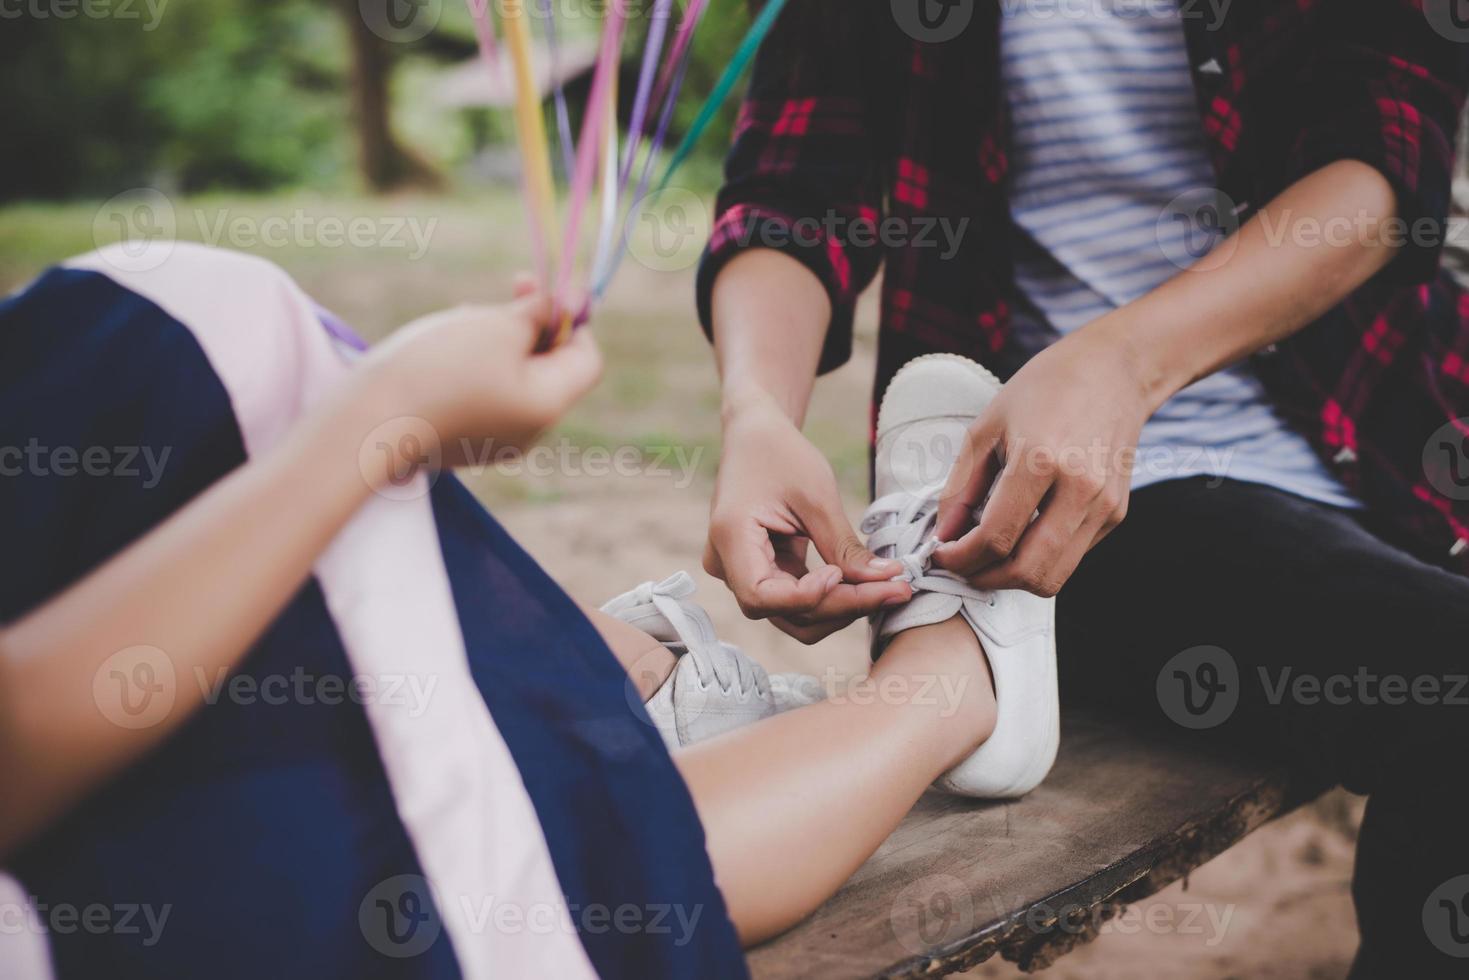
427, 766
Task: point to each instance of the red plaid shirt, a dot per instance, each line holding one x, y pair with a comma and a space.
850, 121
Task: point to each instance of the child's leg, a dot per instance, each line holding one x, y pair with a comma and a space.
793, 805
647, 662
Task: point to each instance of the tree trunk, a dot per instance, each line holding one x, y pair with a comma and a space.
386, 164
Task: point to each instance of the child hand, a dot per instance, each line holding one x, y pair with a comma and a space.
474, 375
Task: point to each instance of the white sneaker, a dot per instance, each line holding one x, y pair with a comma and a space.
925, 415
715, 687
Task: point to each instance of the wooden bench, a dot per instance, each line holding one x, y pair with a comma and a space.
1124, 813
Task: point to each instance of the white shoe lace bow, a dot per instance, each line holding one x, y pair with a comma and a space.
900, 526
718, 664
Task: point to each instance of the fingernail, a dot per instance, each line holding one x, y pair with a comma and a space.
896, 600
882, 564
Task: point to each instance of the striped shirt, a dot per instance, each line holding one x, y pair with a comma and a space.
1110, 170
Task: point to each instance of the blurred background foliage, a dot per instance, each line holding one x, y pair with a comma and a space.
210, 95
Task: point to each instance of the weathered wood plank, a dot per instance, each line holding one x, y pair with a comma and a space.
1124, 813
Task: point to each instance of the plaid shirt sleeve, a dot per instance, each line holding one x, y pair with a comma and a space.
1384, 85
802, 172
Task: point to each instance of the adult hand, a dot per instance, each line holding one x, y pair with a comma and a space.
1060, 438
776, 496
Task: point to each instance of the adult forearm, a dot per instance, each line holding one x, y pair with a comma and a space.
770, 318
199, 590
1303, 254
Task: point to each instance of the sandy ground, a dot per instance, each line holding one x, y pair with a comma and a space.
1280, 900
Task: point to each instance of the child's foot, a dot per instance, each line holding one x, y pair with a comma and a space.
715, 687
925, 414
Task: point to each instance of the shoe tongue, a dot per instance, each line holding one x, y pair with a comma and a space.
916, 458
693, 630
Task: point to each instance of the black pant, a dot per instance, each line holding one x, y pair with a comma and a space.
1286, 626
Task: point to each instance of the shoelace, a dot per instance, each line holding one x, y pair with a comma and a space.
900, 526
715, 662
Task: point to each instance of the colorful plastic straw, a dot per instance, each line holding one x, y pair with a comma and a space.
563, 114
597, 149
732, 72
586, 159
667, 95
530, 128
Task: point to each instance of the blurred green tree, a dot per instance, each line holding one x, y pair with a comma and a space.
248, 94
